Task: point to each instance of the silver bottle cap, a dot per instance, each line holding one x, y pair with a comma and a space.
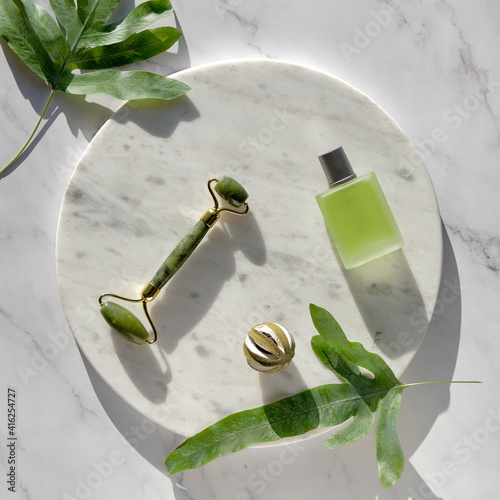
337, 167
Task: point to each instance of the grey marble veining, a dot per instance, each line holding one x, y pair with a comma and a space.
430, 65
264, 123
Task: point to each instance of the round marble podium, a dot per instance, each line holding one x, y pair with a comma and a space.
141, 185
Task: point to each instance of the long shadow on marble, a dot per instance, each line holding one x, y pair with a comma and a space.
194, 289
187, 298
282, 384
349, 472
158, 118
81, 115
435, 360
144, 370
390, 302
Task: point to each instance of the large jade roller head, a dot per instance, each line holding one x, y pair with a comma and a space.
125, 322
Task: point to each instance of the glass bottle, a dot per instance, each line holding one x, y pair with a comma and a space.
356, 213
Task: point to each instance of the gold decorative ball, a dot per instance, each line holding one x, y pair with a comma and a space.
269, 347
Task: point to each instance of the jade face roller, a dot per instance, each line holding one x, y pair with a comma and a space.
125, 322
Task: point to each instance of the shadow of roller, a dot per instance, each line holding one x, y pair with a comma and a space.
435, 360
124, 321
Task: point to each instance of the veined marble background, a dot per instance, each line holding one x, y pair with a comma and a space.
432, 66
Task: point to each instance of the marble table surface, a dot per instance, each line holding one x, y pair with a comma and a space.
135, 193
432, 68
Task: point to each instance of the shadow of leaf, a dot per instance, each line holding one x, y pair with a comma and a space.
81, 115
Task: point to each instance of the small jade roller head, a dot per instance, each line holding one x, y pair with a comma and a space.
231, 191
126, 323
269, 347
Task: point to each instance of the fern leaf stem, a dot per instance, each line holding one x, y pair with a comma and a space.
404, 386
32, 133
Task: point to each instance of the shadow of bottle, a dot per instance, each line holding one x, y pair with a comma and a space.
186, 299
390, 303
435, 360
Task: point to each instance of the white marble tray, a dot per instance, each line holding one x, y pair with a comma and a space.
140, 187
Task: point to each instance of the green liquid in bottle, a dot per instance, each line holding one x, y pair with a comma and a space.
359, 220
